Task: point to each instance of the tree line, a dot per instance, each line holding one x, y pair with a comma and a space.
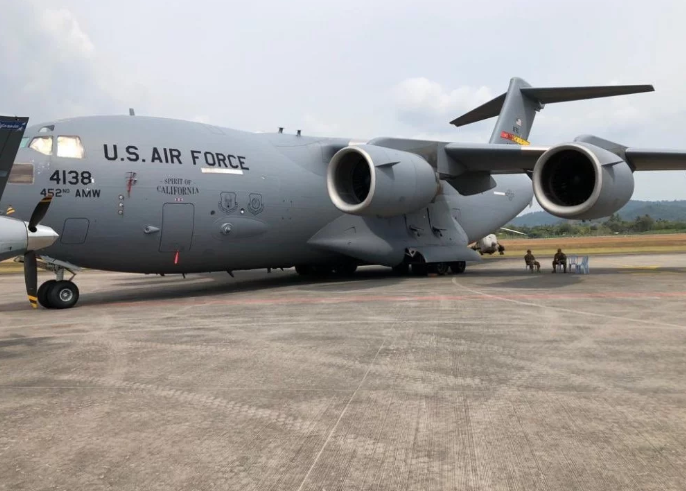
613, 225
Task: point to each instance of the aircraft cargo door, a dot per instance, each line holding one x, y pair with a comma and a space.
177, 227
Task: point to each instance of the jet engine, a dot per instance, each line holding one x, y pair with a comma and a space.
581, 181
371, 180
488, 245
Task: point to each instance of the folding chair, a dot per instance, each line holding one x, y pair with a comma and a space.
582, 267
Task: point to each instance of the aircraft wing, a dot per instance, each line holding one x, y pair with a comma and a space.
647, 159
503, 158
497, 158
11, 132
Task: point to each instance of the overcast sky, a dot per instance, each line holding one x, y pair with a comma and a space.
355, 68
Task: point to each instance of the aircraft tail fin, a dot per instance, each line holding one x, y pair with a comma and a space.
517, 108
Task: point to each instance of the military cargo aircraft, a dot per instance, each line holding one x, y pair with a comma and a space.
152, 195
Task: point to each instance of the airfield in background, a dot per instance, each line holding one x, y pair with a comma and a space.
617, 244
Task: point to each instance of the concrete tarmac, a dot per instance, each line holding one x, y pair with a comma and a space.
493, 379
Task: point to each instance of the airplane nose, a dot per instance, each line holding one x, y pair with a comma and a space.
41, 238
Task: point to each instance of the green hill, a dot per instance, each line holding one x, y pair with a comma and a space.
658, 210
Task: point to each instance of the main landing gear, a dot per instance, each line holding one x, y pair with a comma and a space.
423, 269
58, 293
342, 270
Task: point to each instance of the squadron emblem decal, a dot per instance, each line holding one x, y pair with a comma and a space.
255, 205
228, 202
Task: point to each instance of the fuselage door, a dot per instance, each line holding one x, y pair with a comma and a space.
177, 227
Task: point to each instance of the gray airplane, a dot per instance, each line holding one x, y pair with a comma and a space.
152, 195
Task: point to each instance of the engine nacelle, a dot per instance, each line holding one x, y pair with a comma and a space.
370, 180
580, 181
489, 245
16, 238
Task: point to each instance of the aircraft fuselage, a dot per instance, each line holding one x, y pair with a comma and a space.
153, 195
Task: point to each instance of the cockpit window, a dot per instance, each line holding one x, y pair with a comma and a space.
42, 144
21, 174
24, 142
70, 147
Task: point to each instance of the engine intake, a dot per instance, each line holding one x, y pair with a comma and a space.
370, 180
581, 181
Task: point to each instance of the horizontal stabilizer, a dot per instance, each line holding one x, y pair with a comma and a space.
549, 95
485, 111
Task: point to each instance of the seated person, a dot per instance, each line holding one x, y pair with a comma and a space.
560, 258
531, 261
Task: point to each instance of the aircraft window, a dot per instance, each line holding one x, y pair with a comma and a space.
45, 129
24, 142
70, 147
21, 174
42, 144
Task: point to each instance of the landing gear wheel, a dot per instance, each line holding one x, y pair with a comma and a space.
303, 270
43, 293
458, 267
346, 269
62, 295
402, 269
321, 271
438, 268
419, 269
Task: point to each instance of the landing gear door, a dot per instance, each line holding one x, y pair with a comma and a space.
177, 227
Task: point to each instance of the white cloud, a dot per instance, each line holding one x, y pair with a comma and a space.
315, 126
421, 102
61, 24
51, 68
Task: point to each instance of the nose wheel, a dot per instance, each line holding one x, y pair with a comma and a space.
58, 293
55, 294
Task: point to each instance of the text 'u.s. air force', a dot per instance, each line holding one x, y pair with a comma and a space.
164, 155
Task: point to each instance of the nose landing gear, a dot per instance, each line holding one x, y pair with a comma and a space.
58, 293
55, 294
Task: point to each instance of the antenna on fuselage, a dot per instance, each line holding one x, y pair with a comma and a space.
131, 112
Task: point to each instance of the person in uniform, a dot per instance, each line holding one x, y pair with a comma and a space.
560, 258
531, 261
